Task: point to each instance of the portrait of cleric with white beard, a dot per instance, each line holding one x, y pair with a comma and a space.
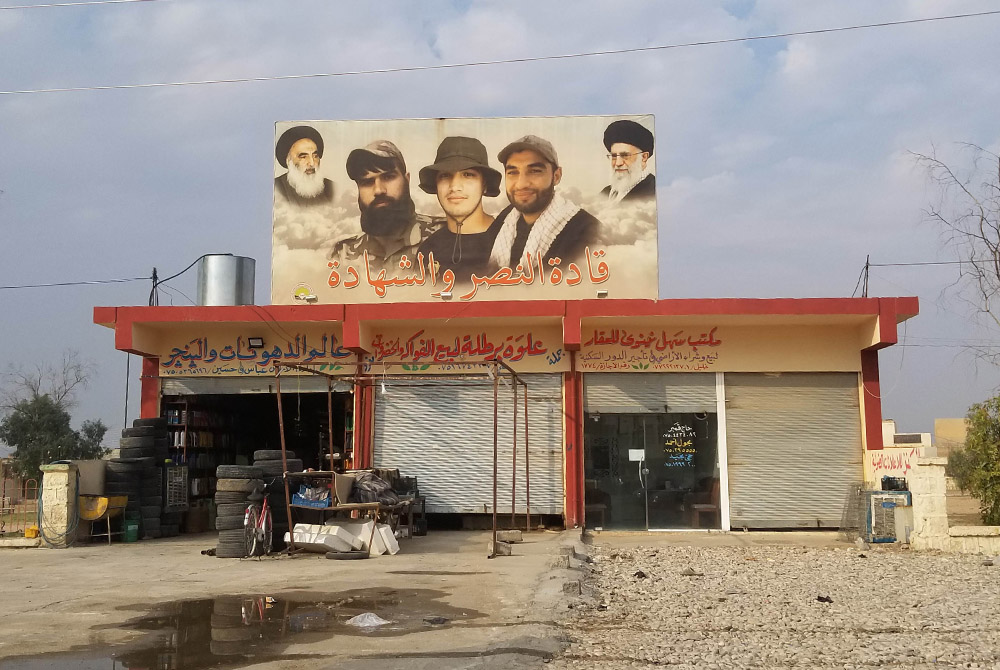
630, 146
300, 150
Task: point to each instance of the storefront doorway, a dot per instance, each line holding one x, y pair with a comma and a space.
651, 471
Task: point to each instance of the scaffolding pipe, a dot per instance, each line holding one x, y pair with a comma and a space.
496, 399
527, 468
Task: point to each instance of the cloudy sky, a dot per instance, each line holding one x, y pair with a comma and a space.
781, 163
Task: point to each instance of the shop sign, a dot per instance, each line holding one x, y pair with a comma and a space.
424, 210
223, 355
650, 350
450, 350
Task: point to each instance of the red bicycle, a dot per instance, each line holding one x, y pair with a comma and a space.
258, 527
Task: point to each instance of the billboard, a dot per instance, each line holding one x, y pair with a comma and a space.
422, 210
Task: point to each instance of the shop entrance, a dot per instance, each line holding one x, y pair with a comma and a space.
651, 471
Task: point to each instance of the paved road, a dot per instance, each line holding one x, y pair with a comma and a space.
164, 596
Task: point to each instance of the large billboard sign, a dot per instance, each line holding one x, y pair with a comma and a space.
464, 210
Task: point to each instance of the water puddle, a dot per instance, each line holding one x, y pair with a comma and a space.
229, 631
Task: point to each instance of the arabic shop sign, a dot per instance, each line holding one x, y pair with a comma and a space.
219, 355
422, 210
628, 350
461, 350
678, 446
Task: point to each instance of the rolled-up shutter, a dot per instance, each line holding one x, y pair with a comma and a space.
653, 393
442, 433
794, 444
234, 385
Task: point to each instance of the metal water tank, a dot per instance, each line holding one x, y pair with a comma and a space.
225, 279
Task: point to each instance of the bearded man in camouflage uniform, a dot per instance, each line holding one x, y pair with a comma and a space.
390, 225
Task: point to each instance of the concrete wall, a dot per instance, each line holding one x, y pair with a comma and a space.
930, 515
949, 434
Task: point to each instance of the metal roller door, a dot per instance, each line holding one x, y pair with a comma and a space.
794, 442
653, 393
442, 432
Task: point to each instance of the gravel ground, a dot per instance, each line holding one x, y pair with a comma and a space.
760, 607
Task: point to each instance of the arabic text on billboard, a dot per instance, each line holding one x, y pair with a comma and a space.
464, 209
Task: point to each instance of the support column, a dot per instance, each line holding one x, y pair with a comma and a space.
58, 509
872, 398
149, 388
573, 451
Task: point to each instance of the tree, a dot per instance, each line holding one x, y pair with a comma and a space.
976, 467
968, 211
37, 419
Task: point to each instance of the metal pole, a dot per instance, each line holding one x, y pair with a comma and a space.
513, 463
496, 393
527, 469
284, 460
329, 417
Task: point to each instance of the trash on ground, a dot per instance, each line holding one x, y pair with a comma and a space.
367, 620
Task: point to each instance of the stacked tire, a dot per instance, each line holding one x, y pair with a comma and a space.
230, 636
235, 487
273, 468
138, 473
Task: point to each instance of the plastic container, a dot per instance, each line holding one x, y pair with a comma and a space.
131, 531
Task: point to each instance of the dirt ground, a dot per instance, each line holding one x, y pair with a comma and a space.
496, 612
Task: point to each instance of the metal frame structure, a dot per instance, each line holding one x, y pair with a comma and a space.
496, 369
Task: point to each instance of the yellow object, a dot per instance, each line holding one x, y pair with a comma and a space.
94, 508
31, 532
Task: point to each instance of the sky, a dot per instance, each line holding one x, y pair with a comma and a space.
781, 163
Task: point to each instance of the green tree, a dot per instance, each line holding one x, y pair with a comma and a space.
976, 467
36, 418
40, 432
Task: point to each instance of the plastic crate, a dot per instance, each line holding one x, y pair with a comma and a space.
175, 488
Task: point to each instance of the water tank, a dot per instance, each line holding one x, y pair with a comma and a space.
224, 279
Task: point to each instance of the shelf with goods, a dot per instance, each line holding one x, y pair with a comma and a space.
201, 438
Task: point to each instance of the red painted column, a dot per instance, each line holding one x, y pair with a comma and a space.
149, 388
573, 451
872, 398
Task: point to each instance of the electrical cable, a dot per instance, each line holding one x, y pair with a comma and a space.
76, 283
157, 282
502, 61
76, 4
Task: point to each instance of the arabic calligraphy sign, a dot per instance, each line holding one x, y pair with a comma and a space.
634, 350
421, 210
225, 353
678, 446
536, 349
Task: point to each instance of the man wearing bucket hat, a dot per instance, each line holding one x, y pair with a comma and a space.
460, 177
390, 225
538, 221
300, 150
630, 146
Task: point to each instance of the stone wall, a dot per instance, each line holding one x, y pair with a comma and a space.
929, 490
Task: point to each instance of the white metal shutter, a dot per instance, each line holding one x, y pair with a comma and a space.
794, 443
442, 433
652, 393
234, 385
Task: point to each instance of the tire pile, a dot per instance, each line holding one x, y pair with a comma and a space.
269, 462
138, 473
230, 636
235, 487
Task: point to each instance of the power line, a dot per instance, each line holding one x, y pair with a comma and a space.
76, 4
506, 61
968, 262
77, 283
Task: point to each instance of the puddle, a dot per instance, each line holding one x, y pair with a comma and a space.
229, 631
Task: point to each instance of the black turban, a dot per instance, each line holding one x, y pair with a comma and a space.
629, 132
293, 135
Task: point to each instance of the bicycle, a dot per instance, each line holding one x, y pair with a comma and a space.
258, 526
